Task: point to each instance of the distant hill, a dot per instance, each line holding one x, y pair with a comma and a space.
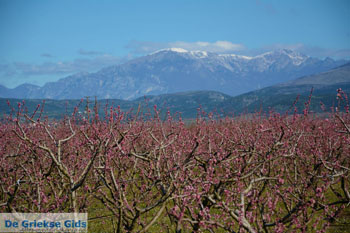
280, 97
177, 70
334, 76
186, 103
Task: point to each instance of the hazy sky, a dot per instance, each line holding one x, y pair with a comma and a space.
43, 40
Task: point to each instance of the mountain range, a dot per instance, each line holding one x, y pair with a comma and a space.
178, 70
279, 98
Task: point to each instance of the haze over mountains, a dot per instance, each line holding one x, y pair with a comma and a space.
177, 70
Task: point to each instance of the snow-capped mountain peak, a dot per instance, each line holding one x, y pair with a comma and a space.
278, 52
181, 51
177, 50
295, 57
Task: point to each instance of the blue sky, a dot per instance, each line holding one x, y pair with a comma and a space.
43, 41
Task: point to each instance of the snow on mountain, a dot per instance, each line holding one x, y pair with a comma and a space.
177, 70
178, 50
262, 62
293, 56
236, 56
